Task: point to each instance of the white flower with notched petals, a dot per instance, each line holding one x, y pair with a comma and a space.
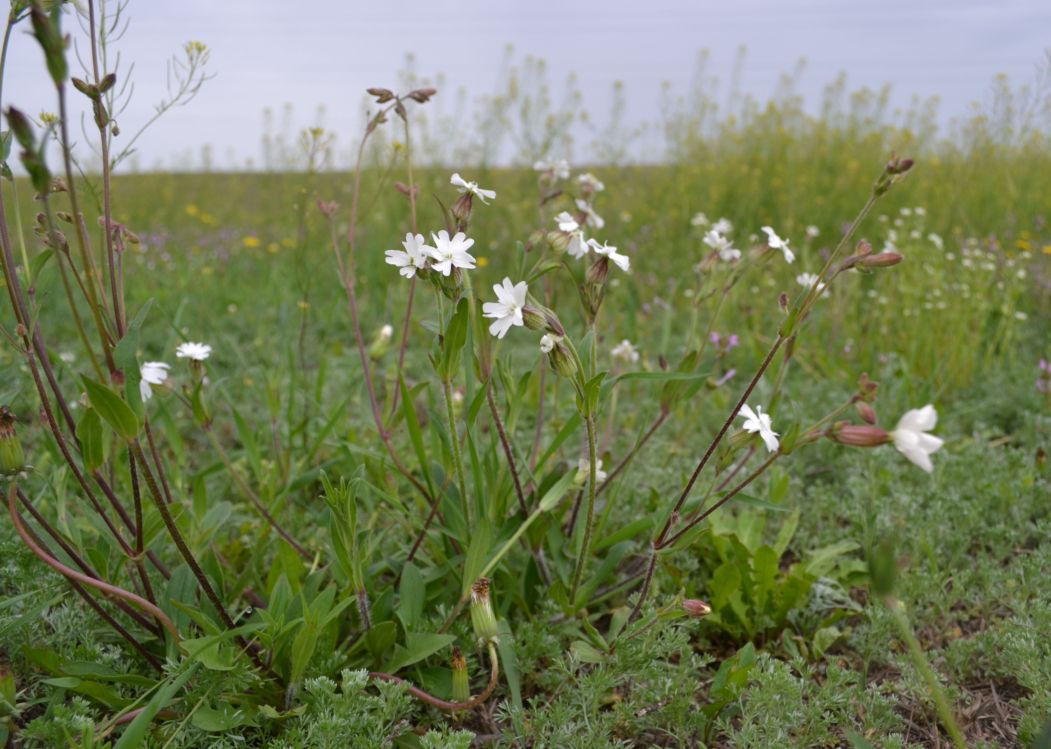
607, 250
722, 245
590, 183
193, 351
584, 470
812, 232
556, 169
507, 311
911, 438
723, 226
578, 245
152, 373
807, 281
757, 421
473, 188
590, 217
776, 243
450, 253
548, 342
625, 352
699, 219
413, 258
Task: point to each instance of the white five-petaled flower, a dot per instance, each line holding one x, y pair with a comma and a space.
625, 352
776, 243
607, 250
911, 438
590, 217
584, 469
386, 332
699, 219
590, 182
413, 258
757, 421
558, 169
812, 232
548, 342
193, 351
508, 310
723, 226
450, 253
472, 187
722, 245
807, 280
578, 245
152, 373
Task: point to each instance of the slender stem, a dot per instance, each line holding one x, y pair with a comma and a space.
454, 441
412, 284
626, 460
494, 676
589, 521
506, 444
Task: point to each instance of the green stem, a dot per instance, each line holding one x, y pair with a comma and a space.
454, 440
589, 522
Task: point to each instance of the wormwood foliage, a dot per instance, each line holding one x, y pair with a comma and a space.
382, 506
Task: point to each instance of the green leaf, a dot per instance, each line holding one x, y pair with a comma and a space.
134, 735
39, 262
418, 645
555, 494
477, 553
453, 342
413, 591
92, 441
219, 719
112, 409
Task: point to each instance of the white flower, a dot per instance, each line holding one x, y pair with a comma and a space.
472, 187
776, 243
584, 470
911, 438
557, 169
508, 310
590, 183
812, 232
386, 332
194, 351
606, 250
722, 245
723, 226
699, 219
625, 352
152, 373
807, 280
450, 253
757, 421
590, 217
413, 258
578, 245
548, 342
68, 357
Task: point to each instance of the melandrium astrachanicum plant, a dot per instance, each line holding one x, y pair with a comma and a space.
487, 518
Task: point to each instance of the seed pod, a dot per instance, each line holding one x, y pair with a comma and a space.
482, 616
12, 457
860, 435
461, 691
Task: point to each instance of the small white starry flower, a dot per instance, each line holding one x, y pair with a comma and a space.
193, 351
812, 232
807, 280
450, 253
413, 258
558, 170
723, 226
722, 245
911, 438
606, 250
776, 243
584, 469
625, 352
757, 421
152, 373
590, 183
548, 342
386, 332
590, 217
472, 187
507, 311
578, 244
699, 219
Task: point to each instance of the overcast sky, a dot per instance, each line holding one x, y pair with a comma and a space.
267, 53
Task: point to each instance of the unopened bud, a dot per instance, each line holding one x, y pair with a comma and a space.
461, 209
782, 302
482, 616
461, 689
422, 95
859, 436
899, 166
404, 189
383, 95
696, 608
107, 82
327, 207
12, 457
598, 271
381, 342
20, 126
880, 260
865, 411
864, 248
559, 357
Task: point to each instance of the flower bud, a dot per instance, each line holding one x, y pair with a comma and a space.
696, 608
422, 95
865, 411
880, 260
482, 616
461, 209
864, 248
860, 436
560, 359
461, 691
12, 457
598, 272
383, 95
381, 342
